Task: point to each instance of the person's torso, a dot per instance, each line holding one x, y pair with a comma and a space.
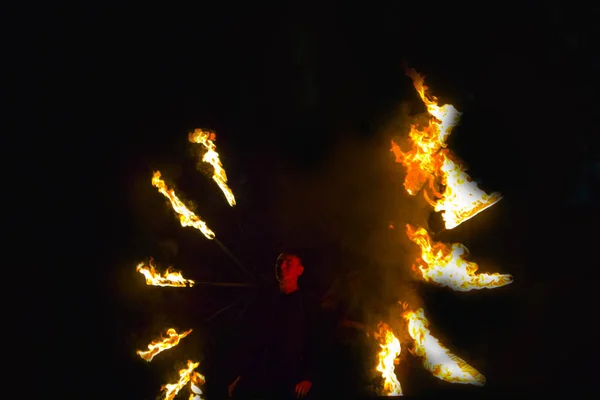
288, 333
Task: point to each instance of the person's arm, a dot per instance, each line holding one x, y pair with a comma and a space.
309, 364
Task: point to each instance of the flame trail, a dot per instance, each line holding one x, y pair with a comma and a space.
185, 375
430, 161
445, 265
159, 345
437, 359
169, 278
212, 157
390, 350
186, 217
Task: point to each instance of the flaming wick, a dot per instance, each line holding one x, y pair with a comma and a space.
159, 345
186, 217
169, 278
212, 157
185, 375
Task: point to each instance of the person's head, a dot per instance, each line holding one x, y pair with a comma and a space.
288, 267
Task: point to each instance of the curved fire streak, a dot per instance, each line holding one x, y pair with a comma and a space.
437, 359
445, 264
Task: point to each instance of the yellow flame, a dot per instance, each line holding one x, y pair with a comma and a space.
169, 278
462, 199
437, 359
195, 382
186, 217
390, 350
185, 375
164, 343
446, 265
446, 117
430, 161
212, 157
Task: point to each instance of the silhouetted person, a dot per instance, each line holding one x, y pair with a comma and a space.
283, 365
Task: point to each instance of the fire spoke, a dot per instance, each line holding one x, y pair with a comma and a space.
186, 217
212, 157
169, 278
445, 265
437, 359
159, 345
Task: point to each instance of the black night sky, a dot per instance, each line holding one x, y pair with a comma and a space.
305, 99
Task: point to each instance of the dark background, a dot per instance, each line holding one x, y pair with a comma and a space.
304, 99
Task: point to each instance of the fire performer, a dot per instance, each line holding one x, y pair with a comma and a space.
283, 362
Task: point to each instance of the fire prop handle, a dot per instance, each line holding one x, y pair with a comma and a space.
228, 307
233, 258
440, 231
225, 284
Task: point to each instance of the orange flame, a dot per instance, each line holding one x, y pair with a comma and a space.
437, 359
159, 345
195, 382
212, 157
429, 160
445, 117
186, 217
390, 350
185, 375
169, 278
445, 265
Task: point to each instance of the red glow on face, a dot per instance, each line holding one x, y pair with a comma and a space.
289, 267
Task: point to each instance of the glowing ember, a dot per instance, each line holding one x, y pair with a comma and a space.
185, 375
437, 359
186, 217
169, 278
445, 265
159, 345
212, 157
390, 350
429, 161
